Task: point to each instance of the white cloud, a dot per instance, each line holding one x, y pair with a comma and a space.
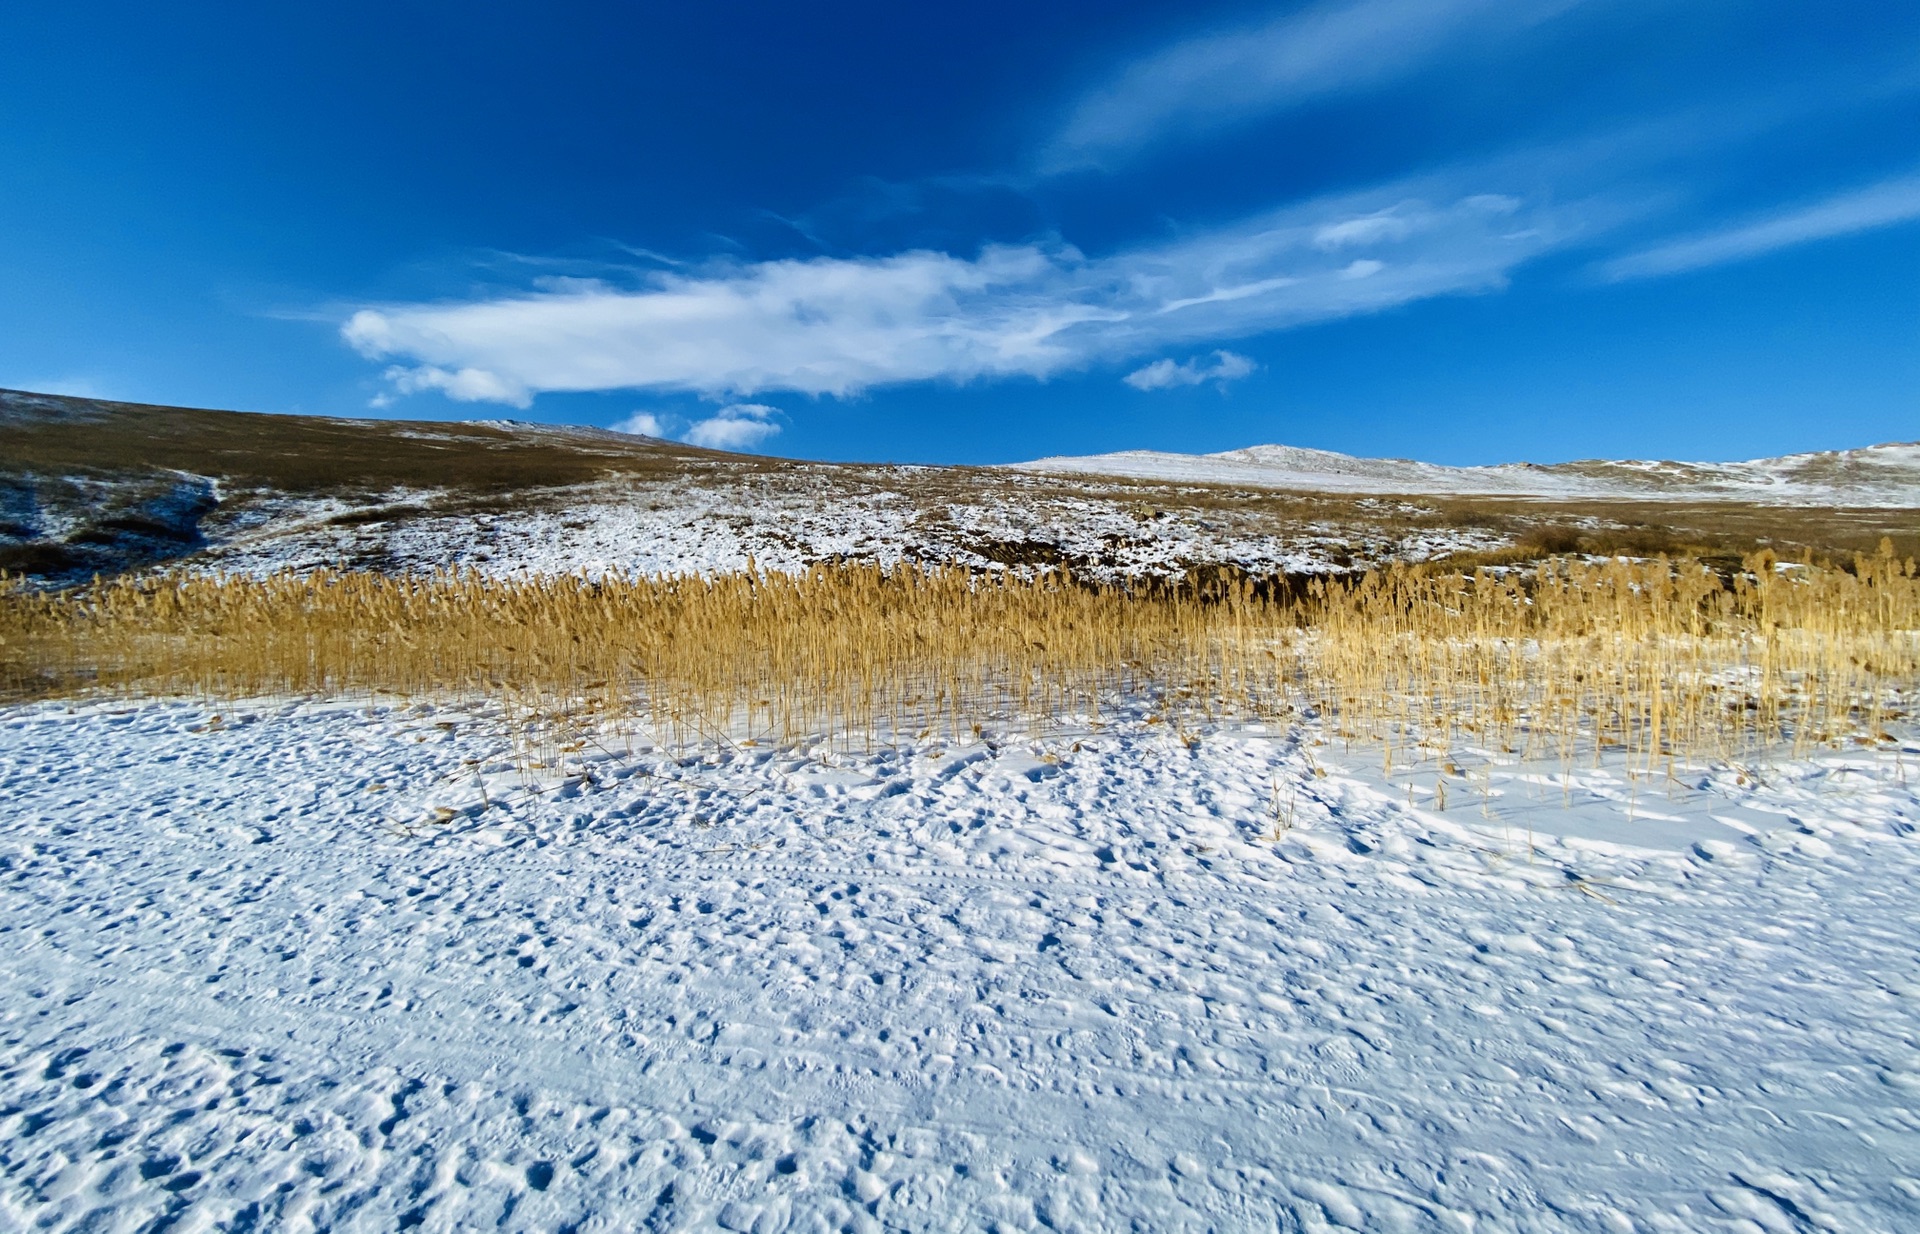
1214, 79
1221, 366
1879, 205
737, 426
740, 426
468, 385
842, 325
643, 423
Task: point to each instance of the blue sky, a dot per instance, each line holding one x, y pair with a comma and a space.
1459, 230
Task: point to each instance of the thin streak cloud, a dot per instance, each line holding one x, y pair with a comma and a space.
1216, 79
1881, 205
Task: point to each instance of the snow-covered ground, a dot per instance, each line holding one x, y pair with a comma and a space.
800, 519
301, 965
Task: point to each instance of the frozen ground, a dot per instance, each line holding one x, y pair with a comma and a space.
308, 966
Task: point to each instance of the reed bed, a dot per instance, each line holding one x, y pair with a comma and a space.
1662, 658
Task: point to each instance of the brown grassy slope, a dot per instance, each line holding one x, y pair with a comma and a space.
89, 486
304, 455
1721, 529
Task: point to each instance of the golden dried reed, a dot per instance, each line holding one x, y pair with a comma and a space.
1657, 657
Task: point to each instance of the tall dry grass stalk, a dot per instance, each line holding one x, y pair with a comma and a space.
1662, 658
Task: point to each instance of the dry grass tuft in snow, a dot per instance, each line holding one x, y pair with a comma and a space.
1660, 658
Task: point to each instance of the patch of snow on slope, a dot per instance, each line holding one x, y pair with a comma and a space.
301, 966
718, 527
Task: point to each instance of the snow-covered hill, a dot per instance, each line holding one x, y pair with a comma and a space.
1876, 476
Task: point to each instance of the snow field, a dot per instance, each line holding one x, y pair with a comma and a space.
716, 528
324, 966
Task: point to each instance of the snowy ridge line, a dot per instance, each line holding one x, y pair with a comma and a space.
1884, 475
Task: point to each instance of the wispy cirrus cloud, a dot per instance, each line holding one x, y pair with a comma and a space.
1879, 205
1224, 77
838, 326
905, 297
1221, 367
